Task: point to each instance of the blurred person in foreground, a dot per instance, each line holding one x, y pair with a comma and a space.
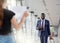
6, 21
43, 27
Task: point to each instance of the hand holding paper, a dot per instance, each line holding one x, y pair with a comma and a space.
25, 14
39, 27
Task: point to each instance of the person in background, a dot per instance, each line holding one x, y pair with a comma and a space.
43, 26
6, 21
52, 33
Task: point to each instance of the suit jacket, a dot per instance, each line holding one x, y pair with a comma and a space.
46, 29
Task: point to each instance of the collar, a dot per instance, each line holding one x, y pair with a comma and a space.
41, 19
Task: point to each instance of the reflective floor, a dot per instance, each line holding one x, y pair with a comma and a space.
27, 37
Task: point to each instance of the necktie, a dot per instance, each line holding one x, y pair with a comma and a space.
42, 25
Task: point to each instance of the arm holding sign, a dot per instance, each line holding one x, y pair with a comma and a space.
20, 24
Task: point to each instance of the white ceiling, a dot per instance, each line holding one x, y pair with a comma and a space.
50, 7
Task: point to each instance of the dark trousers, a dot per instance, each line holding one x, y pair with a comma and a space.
43, 37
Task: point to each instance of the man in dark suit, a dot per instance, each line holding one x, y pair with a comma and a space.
43, 26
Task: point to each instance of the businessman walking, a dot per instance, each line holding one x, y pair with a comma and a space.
43, 26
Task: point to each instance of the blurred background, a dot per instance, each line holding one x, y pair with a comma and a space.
28, 33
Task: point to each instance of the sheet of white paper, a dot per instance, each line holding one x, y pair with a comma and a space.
18, 10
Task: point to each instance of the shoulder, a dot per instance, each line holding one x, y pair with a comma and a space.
8, 12
39, 20
46, 20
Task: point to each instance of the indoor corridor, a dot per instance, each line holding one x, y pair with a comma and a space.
28, 33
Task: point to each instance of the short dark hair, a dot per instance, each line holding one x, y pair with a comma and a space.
42, 14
